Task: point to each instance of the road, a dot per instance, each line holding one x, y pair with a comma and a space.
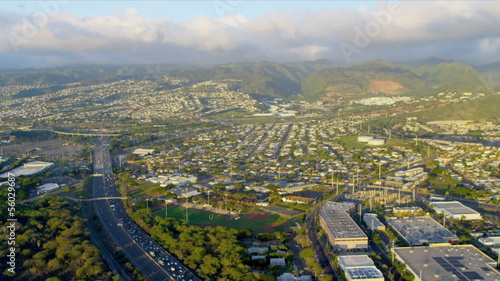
151, 259
316, 244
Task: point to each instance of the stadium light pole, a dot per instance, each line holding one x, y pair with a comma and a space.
166, 208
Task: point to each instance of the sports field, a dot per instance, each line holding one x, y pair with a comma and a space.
258, 222
195, 216
261, 222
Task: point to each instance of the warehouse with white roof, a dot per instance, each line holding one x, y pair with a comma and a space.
455, 210
341, 230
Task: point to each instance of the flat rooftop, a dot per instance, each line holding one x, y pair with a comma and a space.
364, 273
420, 230
340, 224
355, 261
449, 262
371, 220
454, 207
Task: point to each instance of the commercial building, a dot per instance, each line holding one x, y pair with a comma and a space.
342, 232
406, 210
421, 230
410, 172
360, 267
372, 222
448, 262
28, 169
455, 210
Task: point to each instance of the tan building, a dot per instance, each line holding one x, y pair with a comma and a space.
342, 232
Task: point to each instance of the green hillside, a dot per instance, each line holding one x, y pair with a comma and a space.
491, 72
269, 79
369, 78
481, 108
453, 76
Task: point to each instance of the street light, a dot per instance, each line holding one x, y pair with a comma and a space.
147, 203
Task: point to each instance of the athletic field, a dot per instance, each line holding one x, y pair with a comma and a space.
194, 216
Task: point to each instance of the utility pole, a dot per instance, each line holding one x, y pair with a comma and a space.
166, 208
337, 186
332, 178
187, 216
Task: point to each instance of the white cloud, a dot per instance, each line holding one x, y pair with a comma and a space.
280, 35
489, 45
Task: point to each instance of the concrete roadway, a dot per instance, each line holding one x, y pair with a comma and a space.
137, 245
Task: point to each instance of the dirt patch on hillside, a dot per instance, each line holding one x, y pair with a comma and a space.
387, 87
344, 89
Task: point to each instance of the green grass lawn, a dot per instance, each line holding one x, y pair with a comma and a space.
195, 216
143, 190
258, 226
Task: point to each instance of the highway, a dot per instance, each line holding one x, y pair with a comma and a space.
154, 262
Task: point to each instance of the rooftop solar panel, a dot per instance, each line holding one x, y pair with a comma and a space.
473, 275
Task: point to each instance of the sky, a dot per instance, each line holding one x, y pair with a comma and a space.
50, 33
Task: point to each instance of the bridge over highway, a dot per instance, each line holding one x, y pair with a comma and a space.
93, 199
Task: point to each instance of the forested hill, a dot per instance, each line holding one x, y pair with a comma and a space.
311, 80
